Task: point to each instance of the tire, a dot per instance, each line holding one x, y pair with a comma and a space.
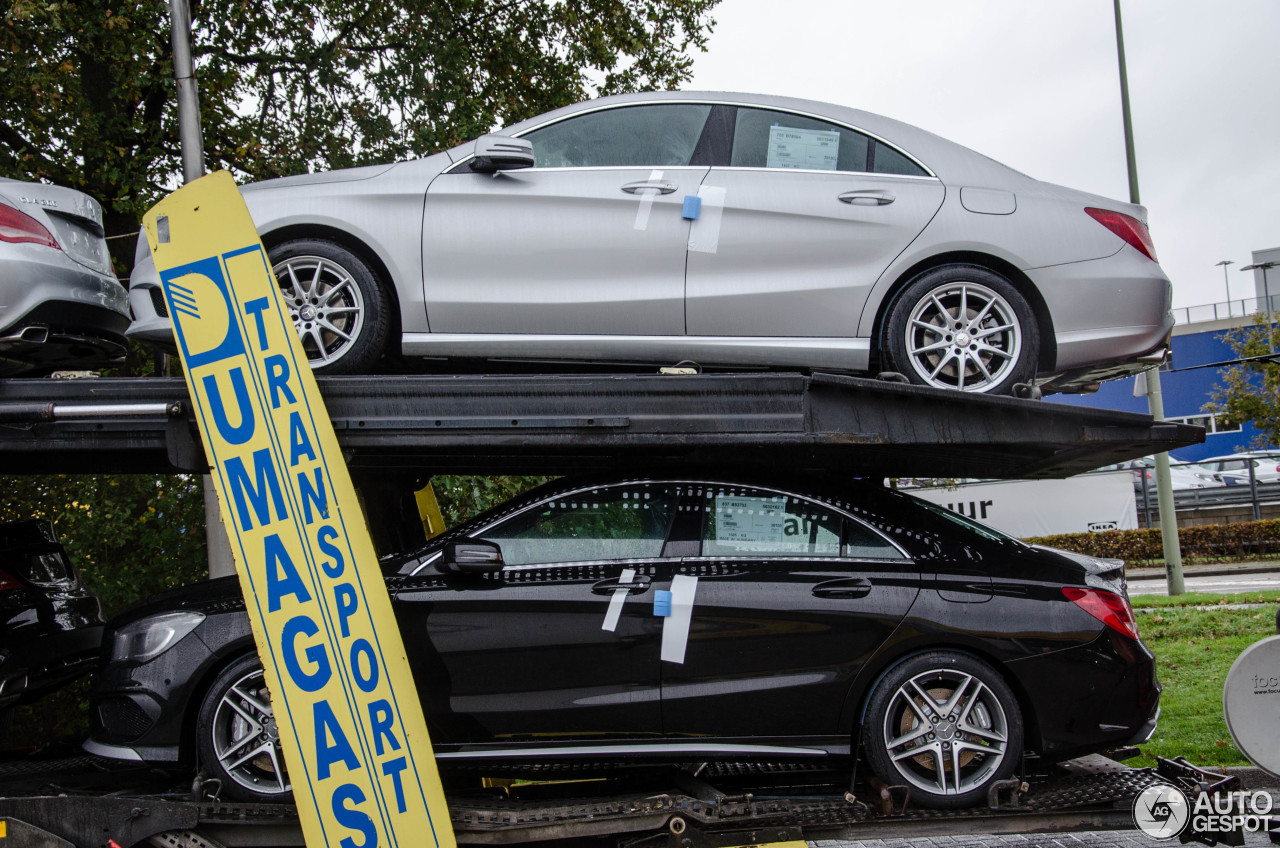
963, 749
337, 304
963, 327
236, 735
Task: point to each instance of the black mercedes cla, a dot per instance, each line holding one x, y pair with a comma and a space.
681, 619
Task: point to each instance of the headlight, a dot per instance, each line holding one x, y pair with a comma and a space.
148, 638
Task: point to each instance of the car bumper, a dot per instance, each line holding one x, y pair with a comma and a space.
56, 311
1111, 317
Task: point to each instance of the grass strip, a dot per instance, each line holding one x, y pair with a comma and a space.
1204, 599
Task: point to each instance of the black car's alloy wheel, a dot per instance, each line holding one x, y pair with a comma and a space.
237, 736
336, 304
963, 327
947, 725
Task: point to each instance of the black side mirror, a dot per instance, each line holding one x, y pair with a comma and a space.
470, 556
499, 153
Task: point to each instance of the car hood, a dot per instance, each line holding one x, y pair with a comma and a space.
342, 175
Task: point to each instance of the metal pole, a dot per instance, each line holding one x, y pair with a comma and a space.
217, 544
1227, 283
1164, 486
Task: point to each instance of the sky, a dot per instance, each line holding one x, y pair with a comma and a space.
1035, 85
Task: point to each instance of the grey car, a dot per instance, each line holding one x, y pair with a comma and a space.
726, 229
61, 305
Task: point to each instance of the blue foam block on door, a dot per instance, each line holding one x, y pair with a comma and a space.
662, 603
692, 206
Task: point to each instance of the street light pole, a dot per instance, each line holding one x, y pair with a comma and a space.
1224, 263
1164, 486
1266, 293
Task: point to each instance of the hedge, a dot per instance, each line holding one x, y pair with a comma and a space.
1144, 547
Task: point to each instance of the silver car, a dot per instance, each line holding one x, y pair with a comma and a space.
729, 230
61, 305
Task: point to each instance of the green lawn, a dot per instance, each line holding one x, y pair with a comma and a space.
1201, 599
1194, 650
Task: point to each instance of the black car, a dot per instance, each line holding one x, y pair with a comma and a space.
685, 620
50, 622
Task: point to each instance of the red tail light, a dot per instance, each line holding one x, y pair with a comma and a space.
7, 581
1111, 609
19, 227
1129, 228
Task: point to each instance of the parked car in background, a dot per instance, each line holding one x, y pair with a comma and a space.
1233, 470
731, 230
50, 622
61, 305
819, 612
1182, 475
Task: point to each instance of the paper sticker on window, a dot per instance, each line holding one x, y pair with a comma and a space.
813, 149
746, 519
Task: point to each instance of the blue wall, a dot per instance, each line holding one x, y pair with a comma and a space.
1185, 393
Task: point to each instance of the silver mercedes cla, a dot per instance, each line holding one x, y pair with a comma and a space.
61, 305
728, 230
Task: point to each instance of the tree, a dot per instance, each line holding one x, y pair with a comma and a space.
1250, 391
288, 86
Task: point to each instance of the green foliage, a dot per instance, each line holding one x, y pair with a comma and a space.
465, 496
1194, 650
130, 536
1208, 541
1251, 391
289, 86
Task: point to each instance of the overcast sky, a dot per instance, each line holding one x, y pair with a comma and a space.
1034, 84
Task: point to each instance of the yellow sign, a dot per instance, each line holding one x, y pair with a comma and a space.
354, 738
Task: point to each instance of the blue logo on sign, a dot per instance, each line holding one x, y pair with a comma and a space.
205, 337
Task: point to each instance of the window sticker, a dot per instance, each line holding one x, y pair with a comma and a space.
794, 148
742, 519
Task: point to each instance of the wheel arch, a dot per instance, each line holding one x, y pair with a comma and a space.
188, 746
1048, 343
1031, 739
361, 249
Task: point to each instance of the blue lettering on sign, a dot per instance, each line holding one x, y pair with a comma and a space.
353, 819
315, 681
340, 751
243, 431
312, 495
324, 538
282, 577
265, 483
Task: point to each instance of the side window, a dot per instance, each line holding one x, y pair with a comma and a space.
741, 520
763, 138
630, 136
618, 522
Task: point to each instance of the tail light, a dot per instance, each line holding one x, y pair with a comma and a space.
18, 227
1111, 609
7, 581
1129, 228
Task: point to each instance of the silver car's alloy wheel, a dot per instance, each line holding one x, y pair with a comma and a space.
945, 732
325, 304
245, 739
964, 336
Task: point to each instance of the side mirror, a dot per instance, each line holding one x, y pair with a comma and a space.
470, 556
500, 153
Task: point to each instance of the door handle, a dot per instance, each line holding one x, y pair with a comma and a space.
849, 587
638, 584
868, 197
650, 185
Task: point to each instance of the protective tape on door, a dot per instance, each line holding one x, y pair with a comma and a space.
675, 627
619, 598
704, 233
646, 202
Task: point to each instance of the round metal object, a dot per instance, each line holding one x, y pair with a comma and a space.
245, 739
963, 335
325, 304
1251, 703
936, 752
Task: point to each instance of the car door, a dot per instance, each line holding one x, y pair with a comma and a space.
589, 241
530, 653
792, 597
811, 214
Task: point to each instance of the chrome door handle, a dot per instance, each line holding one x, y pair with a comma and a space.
650, 185
868, 197
638, 584
850, 587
